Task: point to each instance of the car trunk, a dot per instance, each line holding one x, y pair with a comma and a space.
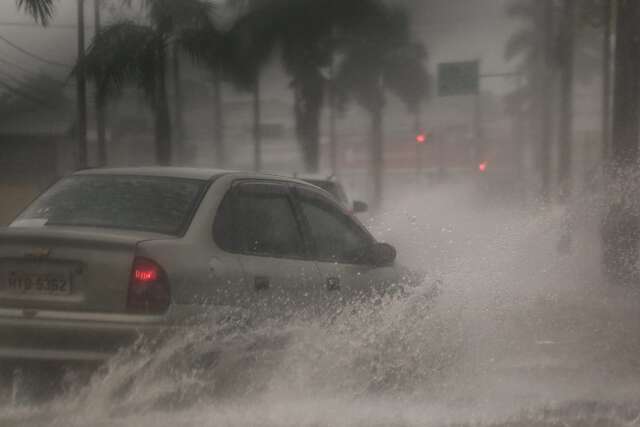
67, 268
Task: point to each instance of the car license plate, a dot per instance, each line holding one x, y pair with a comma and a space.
24, 283
19, 278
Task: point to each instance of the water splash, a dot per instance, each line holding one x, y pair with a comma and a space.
522, 334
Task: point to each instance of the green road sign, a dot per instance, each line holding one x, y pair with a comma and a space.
458, 78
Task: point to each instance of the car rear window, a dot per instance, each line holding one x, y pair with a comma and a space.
156, 204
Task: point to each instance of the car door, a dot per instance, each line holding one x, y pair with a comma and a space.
265, 234
339, 245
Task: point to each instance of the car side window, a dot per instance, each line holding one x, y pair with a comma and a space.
258, 219
335, 236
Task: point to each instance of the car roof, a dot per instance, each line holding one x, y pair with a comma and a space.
316, 177
164, 171
207, 174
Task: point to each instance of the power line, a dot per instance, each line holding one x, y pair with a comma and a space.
33, 55
31, 72
25, 95
34, 25
15, 65
11, 77
25, 84
22, 87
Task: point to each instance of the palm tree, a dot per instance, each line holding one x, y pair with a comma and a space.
382, 56
208, 47
308, 33
566, 64
546, 46
41, 10
132, 52
252, 41
238, 55
535, 44
100, 104
621, 225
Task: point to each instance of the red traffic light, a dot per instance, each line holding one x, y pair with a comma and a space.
482, 167
421, 138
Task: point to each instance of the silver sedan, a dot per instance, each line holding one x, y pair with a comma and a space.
106, 255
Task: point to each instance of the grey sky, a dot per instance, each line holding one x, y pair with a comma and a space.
457, 30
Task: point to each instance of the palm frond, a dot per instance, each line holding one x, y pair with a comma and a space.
239, 48
380, 55
519, 43
172, 15
406, 75
125, 52
203, 45
41, 10
251, 43
360, 78
522, 9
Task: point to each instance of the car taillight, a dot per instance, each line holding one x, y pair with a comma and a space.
148, 288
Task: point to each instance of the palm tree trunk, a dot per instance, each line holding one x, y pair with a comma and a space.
333, 138
81, 93
101, 128
162, 115
627, 83
218, 120
566, 99
546, 75
621, 227
308, 108
179, 102
257, 124
607, 17
377, 155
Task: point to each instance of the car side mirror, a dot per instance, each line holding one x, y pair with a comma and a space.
360, 207
382, 254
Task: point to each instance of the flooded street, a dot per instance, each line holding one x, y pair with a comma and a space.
319, 213
521, 334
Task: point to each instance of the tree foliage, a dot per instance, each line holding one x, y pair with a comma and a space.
34, 92
526, 45
128, 51
311, 34
125, 52
382, 56
41, 10
372, 36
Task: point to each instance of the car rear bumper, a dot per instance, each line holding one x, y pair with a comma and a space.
71, 336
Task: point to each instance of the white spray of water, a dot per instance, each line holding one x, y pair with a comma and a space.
518, 326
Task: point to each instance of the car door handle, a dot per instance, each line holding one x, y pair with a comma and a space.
261, 283
333, 284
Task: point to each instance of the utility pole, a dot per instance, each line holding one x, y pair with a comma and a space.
333, 140
520, 140
218, 119
332, 101
100, 100
566, 98
607, 55
257, 131
546, 78
179, 101
421, 140
627, 85
480, 147
621, 225
81, 94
